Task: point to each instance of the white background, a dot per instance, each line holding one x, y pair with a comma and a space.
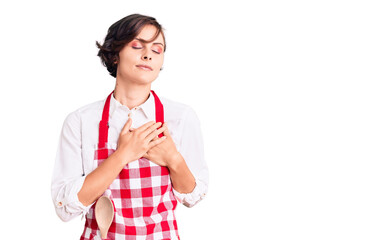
293, 97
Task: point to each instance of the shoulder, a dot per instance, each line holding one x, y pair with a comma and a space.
90, 110
179, 111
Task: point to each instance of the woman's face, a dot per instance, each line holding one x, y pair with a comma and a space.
140, 62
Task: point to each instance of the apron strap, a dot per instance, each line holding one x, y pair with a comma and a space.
104, 122
159, 111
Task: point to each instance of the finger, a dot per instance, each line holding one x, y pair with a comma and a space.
150, 129
145, 126
155, 138
126, 127
156, 142
166, 132
155, 134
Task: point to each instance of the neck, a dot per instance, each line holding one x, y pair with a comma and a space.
131, 95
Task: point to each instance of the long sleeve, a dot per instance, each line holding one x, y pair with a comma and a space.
68, 176
192, 150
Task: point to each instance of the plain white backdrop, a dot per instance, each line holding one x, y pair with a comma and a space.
293, 98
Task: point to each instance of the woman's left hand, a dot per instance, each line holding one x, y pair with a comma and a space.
165, 153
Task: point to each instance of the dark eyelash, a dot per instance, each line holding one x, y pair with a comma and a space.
141, 48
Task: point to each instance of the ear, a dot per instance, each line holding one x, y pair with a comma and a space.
116, 59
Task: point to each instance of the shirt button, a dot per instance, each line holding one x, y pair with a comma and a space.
59, 204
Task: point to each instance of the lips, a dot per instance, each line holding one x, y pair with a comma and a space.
144, 67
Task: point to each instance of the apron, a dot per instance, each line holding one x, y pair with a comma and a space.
142, 195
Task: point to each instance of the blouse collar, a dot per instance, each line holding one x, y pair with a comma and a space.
148, 107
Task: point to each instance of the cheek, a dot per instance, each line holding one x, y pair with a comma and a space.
127, 60
126, 64
159, 62
127, 55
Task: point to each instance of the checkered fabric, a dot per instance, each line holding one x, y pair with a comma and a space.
142, 195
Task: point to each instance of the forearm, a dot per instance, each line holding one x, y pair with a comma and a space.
100, 179
182, 179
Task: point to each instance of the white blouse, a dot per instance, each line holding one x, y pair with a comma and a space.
79, 136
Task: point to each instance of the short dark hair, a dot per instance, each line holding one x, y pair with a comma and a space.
121, 33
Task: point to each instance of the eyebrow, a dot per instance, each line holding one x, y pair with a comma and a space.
145, 41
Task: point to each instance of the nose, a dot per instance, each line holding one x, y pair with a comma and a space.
146, 56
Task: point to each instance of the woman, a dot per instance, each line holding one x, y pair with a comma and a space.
141, 151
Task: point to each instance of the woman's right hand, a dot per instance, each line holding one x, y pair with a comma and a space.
134, 143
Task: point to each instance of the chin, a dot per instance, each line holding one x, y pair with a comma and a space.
141, 79
145, 80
